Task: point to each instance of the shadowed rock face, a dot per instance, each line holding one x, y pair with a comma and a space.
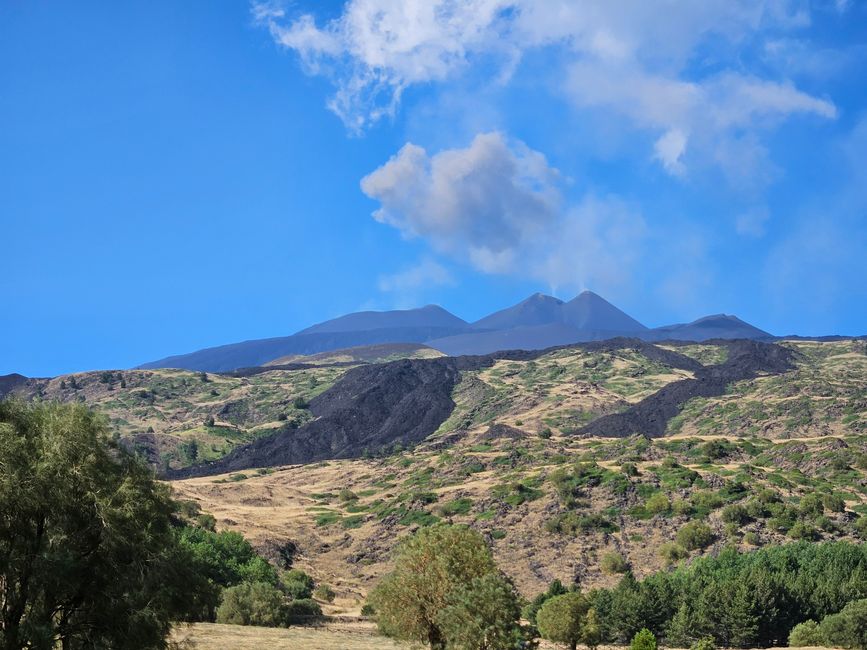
375, 406
747, 359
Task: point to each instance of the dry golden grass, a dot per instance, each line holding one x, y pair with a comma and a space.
212, 636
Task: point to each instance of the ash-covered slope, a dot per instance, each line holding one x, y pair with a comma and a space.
746, 360
369, 408
376, 406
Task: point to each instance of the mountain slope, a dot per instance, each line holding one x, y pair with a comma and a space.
589, 311
362, 328
718, 326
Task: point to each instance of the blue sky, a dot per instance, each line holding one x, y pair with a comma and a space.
175, 175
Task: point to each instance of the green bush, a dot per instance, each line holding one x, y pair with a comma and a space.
735, 514
805, 634
643, 640
671, 552
257, 603
694, 535
658, 504
298, 585
324, 592
301, 611
614, 563
704, 643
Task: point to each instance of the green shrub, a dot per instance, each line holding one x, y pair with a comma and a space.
735, 514
257, 603
643, 640
324, 592
805, 634
704, 643
302, 611
298, 585
657, 504
614, 563
562, 619
671, 552
346, 495
694, 535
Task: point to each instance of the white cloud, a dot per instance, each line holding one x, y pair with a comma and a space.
497, 206
669, 149
630, 59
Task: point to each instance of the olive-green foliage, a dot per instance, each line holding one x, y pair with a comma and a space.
704, 643
848, 628
694, 535
805, 634
613, 563
532, 608
657, 504
297, 584
302, 610
741, 599
253, 603
563, 619
671, 552
88, 554
482, 615
324, 592
430, 567
644, 639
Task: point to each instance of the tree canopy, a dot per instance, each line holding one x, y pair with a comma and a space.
88, 554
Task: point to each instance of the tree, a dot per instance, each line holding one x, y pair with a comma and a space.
613, 563
482, 615
430, 566
253, 603
532, 608
564, 619
805, 634
848, 628
88, 554
643, 640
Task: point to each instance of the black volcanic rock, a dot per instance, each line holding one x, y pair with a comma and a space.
746, 360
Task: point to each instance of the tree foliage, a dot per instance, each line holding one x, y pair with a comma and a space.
88, 554
253, 603
482, 615
431, 569
566, 619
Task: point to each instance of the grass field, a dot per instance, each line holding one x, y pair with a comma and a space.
334, 636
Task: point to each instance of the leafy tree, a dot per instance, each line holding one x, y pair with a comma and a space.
253, 603
88, 555
564, 619
643, 640
482, 615
848, 628
530, 610
805, 634
430, 566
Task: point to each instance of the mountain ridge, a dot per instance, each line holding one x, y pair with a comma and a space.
539, 321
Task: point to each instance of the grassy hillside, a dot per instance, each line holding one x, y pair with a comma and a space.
161, 412
775, 458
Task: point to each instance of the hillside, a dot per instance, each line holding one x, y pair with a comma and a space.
381, 353
763, 442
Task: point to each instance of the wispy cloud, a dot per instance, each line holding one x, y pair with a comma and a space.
627, 59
